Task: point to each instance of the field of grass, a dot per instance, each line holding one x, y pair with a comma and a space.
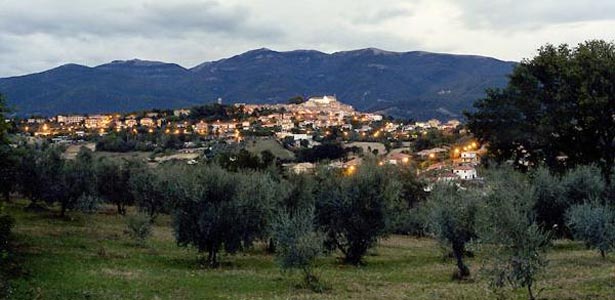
261, 144
89, 257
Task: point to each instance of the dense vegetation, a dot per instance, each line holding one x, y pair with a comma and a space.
557, 110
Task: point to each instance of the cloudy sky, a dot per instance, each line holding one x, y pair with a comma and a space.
39, 34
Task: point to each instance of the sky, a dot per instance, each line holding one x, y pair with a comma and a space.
36, 35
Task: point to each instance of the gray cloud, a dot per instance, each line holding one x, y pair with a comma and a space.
511, 14
383, 15
40, 34
148, 19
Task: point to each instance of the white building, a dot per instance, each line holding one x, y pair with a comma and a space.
469, 157
465, 172
70, 119
147, 122
181, 112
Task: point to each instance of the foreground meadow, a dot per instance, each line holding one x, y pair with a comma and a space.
90, 257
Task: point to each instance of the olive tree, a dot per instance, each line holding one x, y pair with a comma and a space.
508, 226
356, 209
452, 219
150, 191
299, 244
219, 210
113, 182
594, 224
79, 180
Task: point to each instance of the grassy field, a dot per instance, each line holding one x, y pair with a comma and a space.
89, 257
261, 144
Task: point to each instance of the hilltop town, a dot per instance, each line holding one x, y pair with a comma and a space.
441, 150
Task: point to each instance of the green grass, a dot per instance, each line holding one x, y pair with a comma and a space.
89, 257
261, 144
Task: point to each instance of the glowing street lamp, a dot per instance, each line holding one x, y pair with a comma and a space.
351, 170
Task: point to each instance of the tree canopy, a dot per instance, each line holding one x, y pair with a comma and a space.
558, 109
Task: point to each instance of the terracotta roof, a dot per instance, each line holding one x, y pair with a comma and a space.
464, 168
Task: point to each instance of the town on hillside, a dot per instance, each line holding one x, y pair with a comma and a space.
301, 131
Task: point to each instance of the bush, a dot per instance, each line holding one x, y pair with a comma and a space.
594, 224
298, 245
139, 227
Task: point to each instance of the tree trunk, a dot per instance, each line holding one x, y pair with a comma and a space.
271, 246
121, 210
213, 259
530, 293
603, 253
63, 210
458, 251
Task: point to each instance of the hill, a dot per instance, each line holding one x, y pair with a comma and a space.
409, 84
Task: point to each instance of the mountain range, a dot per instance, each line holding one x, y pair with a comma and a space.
414, 84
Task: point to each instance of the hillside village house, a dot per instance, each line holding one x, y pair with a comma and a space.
398, 158
97, 121
31, 121
131, 123
201, 127
147, 122
74, 119
181, 112
447, 177
465, 172
428, 152
221, 127
469, 157
302, 168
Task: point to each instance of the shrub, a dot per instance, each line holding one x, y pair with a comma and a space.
594, 224
139, 227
